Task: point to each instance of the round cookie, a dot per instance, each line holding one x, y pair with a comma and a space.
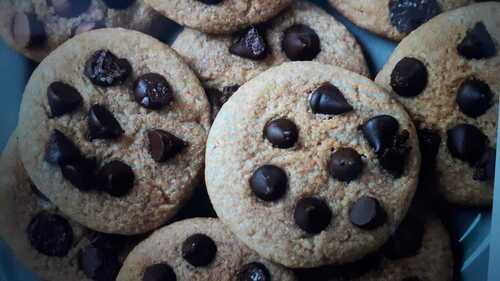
218, 16
36, 27
199, 249
318, 162
222, 68
53, 246
394, 19
446, 75
114, 134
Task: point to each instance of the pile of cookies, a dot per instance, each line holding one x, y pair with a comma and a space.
255, 148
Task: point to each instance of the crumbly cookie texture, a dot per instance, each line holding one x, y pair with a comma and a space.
230, 256
450, 69
159, 189
394, 19
263, 211
58, 28
224, 17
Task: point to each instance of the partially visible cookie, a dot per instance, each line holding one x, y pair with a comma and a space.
394, 19
198, 250
446, 75
302, 32
113, 126
310, 164
37, 27
218, 16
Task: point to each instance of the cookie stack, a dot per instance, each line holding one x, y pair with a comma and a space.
261, 109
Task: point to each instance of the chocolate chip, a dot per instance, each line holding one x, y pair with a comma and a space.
282, 133
254, 271
62, 98
70, 8
61, 150
301, 43
406, 241
80, 173
251, 44
345, 164
407, 15
210, 2
393, 159
119, 4
477, 43
103, 124
366, 213
116, 178
50, 234
380, 132
485, 167
28, 31
87, 26
104, 69
269, 183
199, 250
328, 99
474, 97
466, 142
312, 215
409, 77
98, 264
159, 272
153, 91
163, 145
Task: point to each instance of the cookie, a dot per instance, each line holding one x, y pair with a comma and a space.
49, 243
36, 27
114, 134
198, 249
446, 75
223, 66
318, 162
394, 19
218, 16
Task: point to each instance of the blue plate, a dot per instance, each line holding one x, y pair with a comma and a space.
470, 228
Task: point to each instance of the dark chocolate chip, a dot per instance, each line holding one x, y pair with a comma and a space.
409, 77
345, 164
210, 2
367, 213
163, 145
28, 31
312, 215
61, 150
251, 44
159, 272
80, 173
98, 264
199, 250
103, 124
380, 132
254, 271
87, 26
269, 183
281, 133
477, 43
328, 99
393, 159
50, 234
466, 142
406, 241
62, 98
474, 97
70, 8
104, 69
407, 15
301, 43
116, 178
153, 91
485, 167
119, 4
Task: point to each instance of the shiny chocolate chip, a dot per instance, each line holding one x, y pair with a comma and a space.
163, 145
269, 183
116, 178
301, 43
159, 272
312, 215
61, 150
345, 164
281, 133
153, 91
254, 271
407, 15
103, 124
251, 44
104, 69
474, 97
477, 43
63, 98
409, 77
50, 234
466, 142
380, 132
367, 213
80, 173
328, 99
28, 31
199, 250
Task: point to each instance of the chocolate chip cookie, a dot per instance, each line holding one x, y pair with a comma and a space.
52, 245
199, 249
310, 164
218, 16
394, 19
37, 27
113, 127
446, 75
302, 32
